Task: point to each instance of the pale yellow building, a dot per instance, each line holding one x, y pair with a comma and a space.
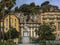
11, 21
8, 22
1, 25
52, 17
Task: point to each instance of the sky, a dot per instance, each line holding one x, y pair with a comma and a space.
37, 2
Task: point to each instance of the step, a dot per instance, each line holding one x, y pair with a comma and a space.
28, 44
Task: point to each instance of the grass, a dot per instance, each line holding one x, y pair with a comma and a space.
8, 42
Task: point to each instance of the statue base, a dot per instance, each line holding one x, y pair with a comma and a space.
26, 39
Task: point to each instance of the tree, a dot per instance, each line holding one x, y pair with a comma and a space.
8, 3
0, 35
12, 33
47, 7
35, 10
6, 6
28, 9
32, 4
45, 3
16, 9
25, 9
45, 31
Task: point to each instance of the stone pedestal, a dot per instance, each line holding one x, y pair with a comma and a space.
26, 39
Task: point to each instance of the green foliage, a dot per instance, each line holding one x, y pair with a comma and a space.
12, 33
8, 42
47, 7
35, 9
32, 4
1, 43
8, 3
16, 9
45, 31
6, 6
25, 9
45, 3
28, 9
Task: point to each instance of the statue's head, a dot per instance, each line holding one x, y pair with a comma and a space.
25, 27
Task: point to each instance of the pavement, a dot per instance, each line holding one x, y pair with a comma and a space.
27, 44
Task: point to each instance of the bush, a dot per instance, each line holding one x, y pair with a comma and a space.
9, 42
2, 43
34, 40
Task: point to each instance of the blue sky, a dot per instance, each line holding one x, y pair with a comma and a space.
37, 2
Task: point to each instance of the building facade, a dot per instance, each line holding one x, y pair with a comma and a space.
52, 17
34, 22
11, 21
28, 24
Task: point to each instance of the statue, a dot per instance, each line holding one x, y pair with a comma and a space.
25, 38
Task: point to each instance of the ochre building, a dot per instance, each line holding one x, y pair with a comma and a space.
8, 22
52, 17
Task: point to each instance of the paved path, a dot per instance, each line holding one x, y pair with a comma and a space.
27, 44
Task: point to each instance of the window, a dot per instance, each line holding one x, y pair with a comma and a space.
29, 33
2, 29
6, 28
34, 29
51, 9
34, 24
33, 33
31, 17
15, 20
6, 22
25, 33
21, 19
44, 17
21, 28
36, 18
58, 17
51, 17
58, 25
37, 28
1, 24
11, 21
15, 23
37, 25
21, 25
59, 34
31, 24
